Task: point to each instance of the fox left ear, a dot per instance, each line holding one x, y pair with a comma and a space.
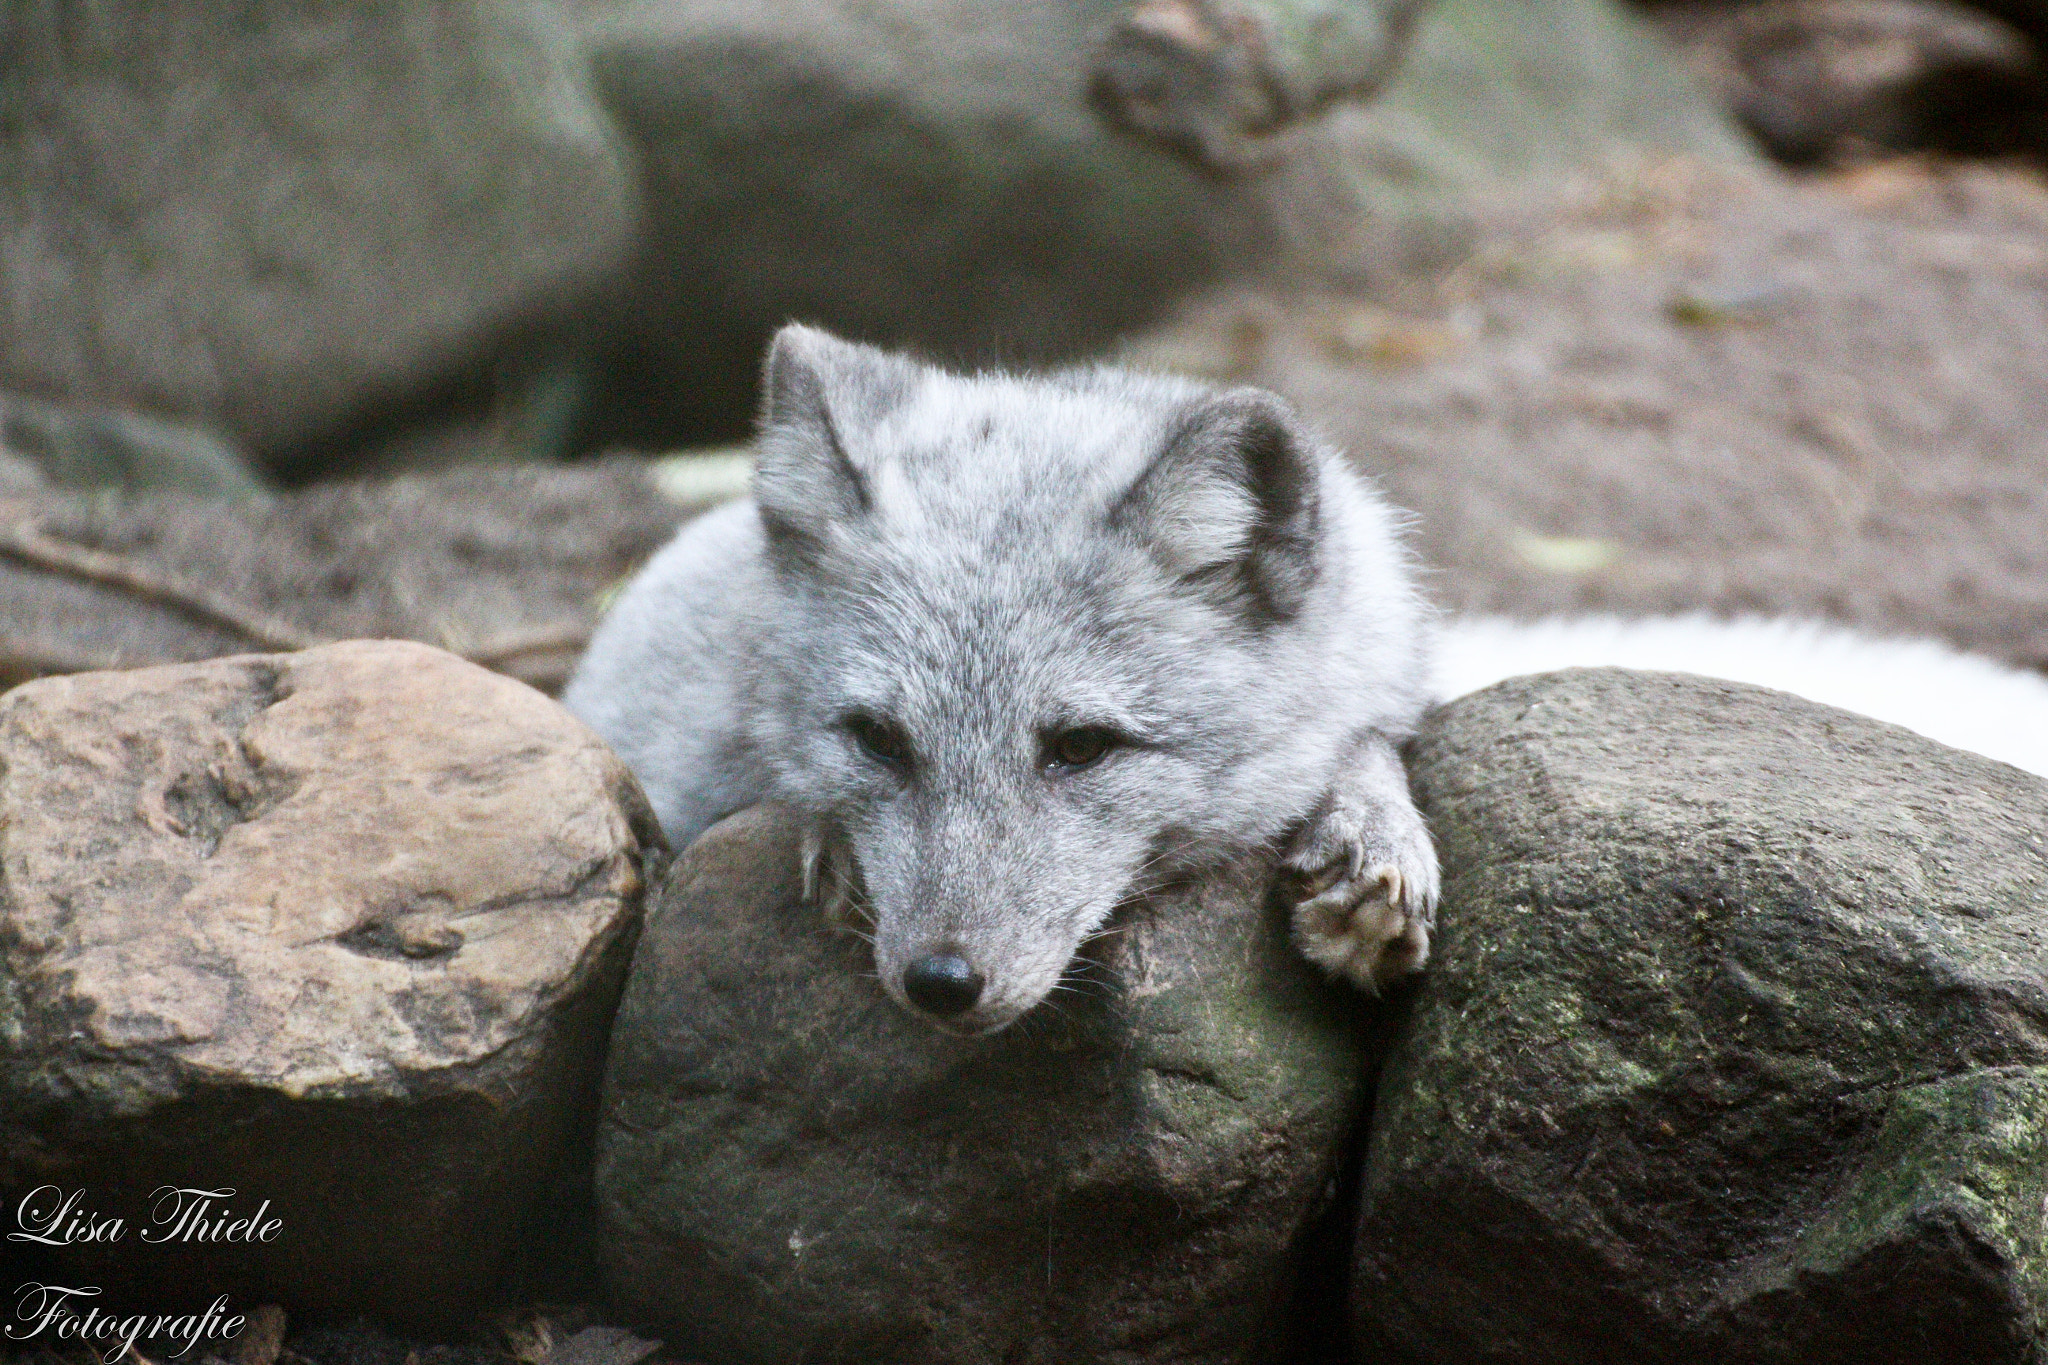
1232, 499
818, 391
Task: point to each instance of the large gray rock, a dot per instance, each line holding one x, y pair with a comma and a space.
792, 1168
914, 172
338, 931
1494, 103
268, 218
1735, 1044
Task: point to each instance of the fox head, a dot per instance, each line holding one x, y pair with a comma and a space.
1036, 643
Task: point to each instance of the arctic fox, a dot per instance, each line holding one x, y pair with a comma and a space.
1017, 648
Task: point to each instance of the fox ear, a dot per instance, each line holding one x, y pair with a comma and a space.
816, 388
1232, 501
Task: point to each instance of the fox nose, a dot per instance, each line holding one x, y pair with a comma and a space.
943, 984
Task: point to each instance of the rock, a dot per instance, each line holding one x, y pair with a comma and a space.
791, 1167
912, 172
93, 448
271, 219
18, 473
340, 932
504, 565
1831, 81
1493, 102
1734, 1045
1216, 79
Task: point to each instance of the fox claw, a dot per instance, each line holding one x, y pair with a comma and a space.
829, 880
1368, 896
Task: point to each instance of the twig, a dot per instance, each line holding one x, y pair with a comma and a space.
22, 660
22, 541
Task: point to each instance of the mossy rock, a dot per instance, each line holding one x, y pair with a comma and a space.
1733, 1046
792, 1168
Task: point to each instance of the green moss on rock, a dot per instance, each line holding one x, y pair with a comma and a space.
1732, 1030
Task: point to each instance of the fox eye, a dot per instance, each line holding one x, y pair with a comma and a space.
1080, 746
881, 740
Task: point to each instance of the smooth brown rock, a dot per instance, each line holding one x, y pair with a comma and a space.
339, 930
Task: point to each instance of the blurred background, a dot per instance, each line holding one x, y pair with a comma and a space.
433, 318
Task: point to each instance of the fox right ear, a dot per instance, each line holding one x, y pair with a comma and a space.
1232, 502
818, 390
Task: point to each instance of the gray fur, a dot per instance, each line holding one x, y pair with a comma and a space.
984, 560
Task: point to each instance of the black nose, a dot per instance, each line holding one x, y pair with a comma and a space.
942, 984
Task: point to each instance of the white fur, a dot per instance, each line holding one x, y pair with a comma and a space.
1962, 700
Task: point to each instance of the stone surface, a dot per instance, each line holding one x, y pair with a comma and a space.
268, 218
1216, 79
1493, 102
1733, 1047
340, 931
790, 1167
103, 448
1821, 81
914, 172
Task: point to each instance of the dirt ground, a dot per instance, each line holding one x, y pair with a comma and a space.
504, 563
1676, 388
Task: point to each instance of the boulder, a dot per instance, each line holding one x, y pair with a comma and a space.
1494, 103
1834, 81
912, 172
337, 932
791, 1167
102, 448
269, 219
1734, 1045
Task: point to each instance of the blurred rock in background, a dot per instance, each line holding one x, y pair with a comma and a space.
407, 238
1831, 81
1493, 103
82, 447
931, 173
282, 220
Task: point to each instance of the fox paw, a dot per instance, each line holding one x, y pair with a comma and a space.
1367, 897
